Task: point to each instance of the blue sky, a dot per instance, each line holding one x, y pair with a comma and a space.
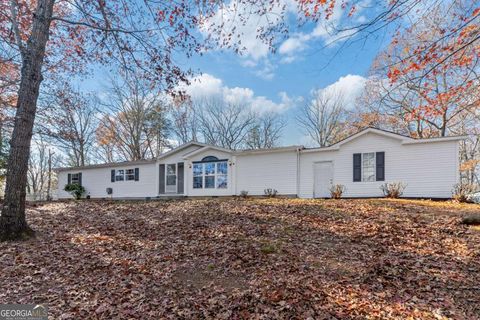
311, 58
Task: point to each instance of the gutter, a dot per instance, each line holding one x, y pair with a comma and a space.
438, 139
298, 172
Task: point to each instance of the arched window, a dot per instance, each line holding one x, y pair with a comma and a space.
210, 173
209, 158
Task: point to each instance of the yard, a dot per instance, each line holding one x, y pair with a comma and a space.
255, 258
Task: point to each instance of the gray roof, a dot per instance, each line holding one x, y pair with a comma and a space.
108, 165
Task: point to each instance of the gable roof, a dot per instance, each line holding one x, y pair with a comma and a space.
180, 148
403, 138
107, 165
203, 147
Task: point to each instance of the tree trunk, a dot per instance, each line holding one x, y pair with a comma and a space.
13, 225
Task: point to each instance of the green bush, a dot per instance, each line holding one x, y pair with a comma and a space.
76, 190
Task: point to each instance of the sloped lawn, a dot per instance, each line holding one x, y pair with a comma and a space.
242, 259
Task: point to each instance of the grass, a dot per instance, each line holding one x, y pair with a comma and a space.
248, 258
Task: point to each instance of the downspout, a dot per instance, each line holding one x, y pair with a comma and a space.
298, 172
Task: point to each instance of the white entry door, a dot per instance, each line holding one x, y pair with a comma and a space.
323, 174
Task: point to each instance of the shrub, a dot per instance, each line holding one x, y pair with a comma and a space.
461, 191
393, 190
270, 193
337, 190
244, 194
75, 190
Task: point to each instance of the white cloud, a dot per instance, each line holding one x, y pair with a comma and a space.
267, 71
350, 87
240, 26
325, 30
292, 45
202, 86
206, 86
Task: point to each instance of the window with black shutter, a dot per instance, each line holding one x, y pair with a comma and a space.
357, 167
368, 167
75, 178
380, 163
162, 179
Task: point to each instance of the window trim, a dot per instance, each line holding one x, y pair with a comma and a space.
204, 175
117, 175
132, 174
197, 176
77, 178
377, 171
374, 167
123, 177
170, 187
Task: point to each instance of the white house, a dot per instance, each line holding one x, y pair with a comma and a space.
362, 163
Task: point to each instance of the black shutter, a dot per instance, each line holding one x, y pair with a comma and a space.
69, 179
80, 178
380, 159
112, 175
180, 178
357, 167
162, 179
137, 174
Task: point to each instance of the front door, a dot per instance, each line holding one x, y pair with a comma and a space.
323, 173
171, 178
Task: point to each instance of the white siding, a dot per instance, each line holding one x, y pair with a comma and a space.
257, 172
428, 169
97, 180
176, 157
306, 170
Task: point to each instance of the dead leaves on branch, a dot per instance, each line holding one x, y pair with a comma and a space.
242, 259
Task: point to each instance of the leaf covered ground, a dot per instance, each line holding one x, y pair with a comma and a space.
244, 259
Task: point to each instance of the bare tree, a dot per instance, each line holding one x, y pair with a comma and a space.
185, 122
70, 120
131, 34
266, 132
38, 171
225, 125
323, 118
136, 125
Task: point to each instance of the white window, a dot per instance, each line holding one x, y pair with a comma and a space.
198, 175
75, 178
222, 175
130, 174
368, 166
119, 175
210, 175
